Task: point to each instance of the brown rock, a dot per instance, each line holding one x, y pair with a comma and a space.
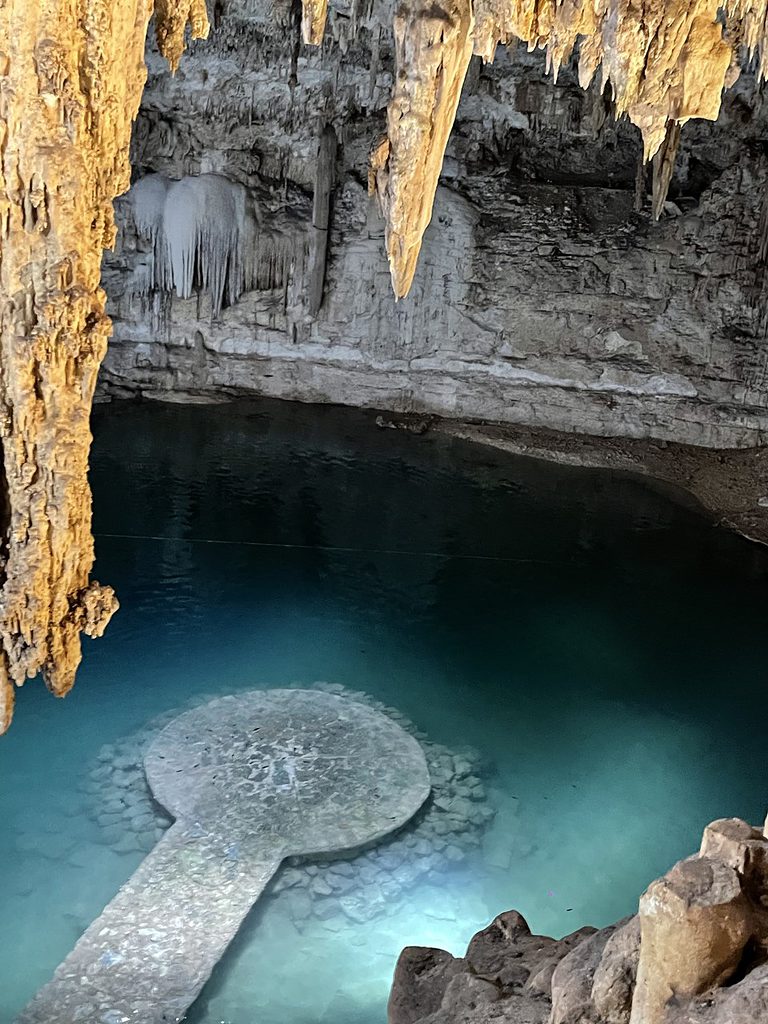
743, 1003
740, 846
695, 923
614, 978
540, 980
572, 981
421, 978
507, 954
467, 992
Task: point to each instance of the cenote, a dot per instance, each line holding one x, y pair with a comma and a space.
591, 642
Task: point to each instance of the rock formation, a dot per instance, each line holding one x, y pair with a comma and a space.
703, 925
546, 294
667, 344
73, 76
664, 63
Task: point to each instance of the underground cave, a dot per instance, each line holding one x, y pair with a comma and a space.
384, 416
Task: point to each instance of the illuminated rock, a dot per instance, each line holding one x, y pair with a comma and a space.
73, 78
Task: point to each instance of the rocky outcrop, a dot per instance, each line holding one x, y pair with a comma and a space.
544, 297
694, 925
73, 75
701, 926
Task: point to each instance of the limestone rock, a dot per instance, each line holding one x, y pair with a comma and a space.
466, 994
695, 923
540, 980
509, 955
746, 1002
573, 979
614, 978
421, 978
740, 846
543, 296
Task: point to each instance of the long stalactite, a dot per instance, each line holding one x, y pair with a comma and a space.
72, 79
72, 74
665, 61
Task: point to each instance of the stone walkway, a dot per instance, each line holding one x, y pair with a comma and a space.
250, 779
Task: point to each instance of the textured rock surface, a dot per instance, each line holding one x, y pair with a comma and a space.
542, 296
73, 75
614, 978
694, 924
699, 924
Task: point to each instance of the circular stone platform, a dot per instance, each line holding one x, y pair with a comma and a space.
251, 779
310, 772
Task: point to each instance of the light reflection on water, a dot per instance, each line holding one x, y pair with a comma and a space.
601, 644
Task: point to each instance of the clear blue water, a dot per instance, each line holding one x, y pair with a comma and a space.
597, 639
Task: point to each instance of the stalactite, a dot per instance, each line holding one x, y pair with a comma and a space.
73, 76
664, 166
665, 63
433, 47
326, 164
172, 18
313, 17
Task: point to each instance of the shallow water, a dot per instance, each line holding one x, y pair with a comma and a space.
598, 641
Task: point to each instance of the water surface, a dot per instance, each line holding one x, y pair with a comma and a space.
598, 640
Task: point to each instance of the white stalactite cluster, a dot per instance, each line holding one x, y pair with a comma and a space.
205, 235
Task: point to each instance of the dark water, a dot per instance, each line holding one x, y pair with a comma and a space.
599, 641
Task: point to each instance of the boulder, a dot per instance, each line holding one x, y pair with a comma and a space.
421, 978
614, 978
466, 992
507, 953
573, 978
694, 923
740, 846
540, 981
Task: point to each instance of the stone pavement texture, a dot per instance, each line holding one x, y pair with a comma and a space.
250, 779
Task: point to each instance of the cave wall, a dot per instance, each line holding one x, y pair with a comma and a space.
545, 293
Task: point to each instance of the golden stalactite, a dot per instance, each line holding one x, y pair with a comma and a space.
73, 75
666, 61
171, 20
313, 17
433, 47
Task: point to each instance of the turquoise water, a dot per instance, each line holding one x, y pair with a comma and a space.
598, 641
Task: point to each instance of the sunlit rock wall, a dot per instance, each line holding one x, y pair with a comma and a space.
542, 296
